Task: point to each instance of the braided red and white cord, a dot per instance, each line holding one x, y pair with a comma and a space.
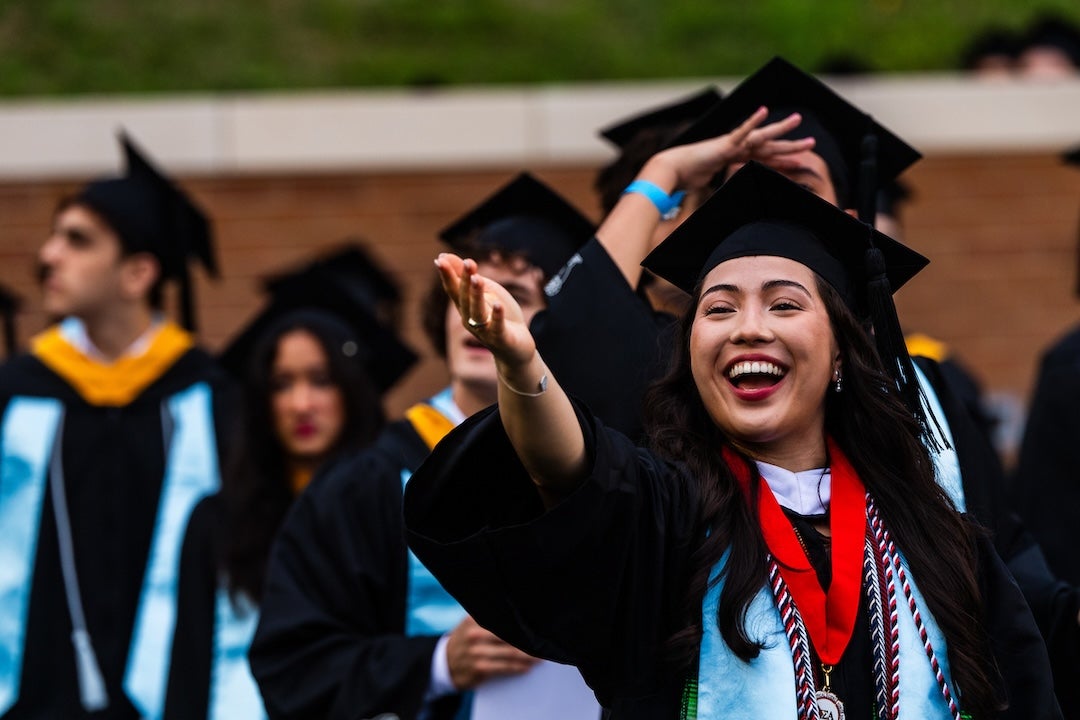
892, 557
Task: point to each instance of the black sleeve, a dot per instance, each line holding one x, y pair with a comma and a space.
1046, 482
330, 641
590, 582
1016, 644
601, 339
188, 690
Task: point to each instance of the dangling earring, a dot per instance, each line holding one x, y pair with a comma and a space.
838, 381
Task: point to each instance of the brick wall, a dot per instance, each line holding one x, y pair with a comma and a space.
1001, 232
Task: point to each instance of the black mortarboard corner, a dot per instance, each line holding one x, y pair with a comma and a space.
524, 216
371, 285
760, 212
150, 213
681, 111
322, 288
846, 137
9, 305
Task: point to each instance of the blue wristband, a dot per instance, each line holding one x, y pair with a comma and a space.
668, 205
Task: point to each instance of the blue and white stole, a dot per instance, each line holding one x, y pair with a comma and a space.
430, 610
191, 473
26, 440
29, 427
946, 461
233, 691
764, 688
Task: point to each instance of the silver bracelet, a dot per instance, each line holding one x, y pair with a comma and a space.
542, 385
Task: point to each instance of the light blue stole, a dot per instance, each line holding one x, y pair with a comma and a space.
233, 692
27, 435
764, 688
430, 610
191, 473
946, 461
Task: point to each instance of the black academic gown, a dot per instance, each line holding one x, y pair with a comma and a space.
1045, 492
331, 638
1046, 482
595, 580
188, 692
593, 314
114, 460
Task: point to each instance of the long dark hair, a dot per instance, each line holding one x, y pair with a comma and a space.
881, 438
256, 489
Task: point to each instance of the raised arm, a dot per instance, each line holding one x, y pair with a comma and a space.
630, 230
536, 413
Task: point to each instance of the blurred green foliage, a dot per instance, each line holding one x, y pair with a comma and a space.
63, 47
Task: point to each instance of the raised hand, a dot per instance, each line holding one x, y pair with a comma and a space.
487, 310
694, 165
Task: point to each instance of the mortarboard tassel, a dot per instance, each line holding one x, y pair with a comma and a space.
889, 339
92, 691
186, 300
866, 192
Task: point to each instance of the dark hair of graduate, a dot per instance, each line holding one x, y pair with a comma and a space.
256, 488
156, 297
882, 441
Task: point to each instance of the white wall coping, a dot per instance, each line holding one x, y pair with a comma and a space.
479, 127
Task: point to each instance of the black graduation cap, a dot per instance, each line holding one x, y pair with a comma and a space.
758, 211
683, 110
321, 289
524, 216
9, 305
372, 285
861, 154
150, 213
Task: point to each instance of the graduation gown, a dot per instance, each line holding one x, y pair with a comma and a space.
1045, 492
593, 313
208, 675
1046, 482
331, 639
595, 580
127, 432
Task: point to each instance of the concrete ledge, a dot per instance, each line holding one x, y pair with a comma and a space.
476, 128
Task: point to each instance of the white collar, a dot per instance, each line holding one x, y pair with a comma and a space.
807, 492
73, 330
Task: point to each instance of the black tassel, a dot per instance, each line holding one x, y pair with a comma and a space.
866, 192
889, 339
186, 299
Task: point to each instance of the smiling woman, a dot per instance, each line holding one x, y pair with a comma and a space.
682, 580
762, 354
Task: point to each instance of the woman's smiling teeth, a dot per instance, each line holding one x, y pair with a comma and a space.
764, 372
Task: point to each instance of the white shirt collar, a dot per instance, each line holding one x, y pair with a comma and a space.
807, 492
74, 331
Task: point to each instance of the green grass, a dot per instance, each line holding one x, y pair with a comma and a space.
63, 47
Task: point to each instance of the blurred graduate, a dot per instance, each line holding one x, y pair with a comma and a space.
109, 438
